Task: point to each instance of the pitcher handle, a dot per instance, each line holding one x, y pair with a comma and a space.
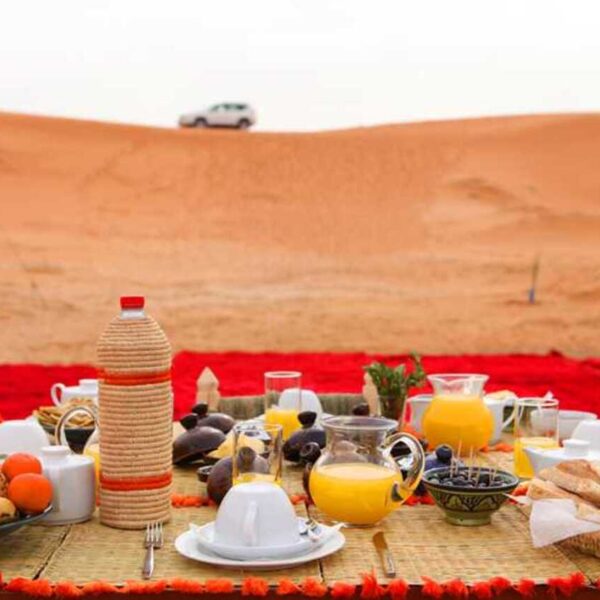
510, 417
59, 432
54, 392
416, 471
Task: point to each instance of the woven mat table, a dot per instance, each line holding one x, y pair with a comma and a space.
423, 544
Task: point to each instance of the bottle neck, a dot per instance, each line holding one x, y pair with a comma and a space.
132, 313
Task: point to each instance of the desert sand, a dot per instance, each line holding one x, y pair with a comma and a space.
418, 236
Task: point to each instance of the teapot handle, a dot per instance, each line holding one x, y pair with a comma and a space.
54, 393
416, 471
59, 431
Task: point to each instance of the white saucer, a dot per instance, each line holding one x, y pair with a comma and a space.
187, 545
205, 535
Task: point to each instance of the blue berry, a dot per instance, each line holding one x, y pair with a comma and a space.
444, 453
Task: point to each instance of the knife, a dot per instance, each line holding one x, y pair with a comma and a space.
387, 560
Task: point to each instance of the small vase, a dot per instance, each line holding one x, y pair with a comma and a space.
393, 407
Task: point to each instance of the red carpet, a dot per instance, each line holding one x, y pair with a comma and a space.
575, 382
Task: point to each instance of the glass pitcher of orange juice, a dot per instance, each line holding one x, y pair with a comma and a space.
356, 481
457, 415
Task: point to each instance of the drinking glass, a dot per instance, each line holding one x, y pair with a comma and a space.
257, 452
283, 400
536, 426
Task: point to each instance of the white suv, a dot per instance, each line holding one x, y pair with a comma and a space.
228, 114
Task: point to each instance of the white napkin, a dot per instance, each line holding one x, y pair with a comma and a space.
554, 520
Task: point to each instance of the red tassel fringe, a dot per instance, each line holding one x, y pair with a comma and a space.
432, 588
341, 589
456, 588
371, 589
255, 586
397, 589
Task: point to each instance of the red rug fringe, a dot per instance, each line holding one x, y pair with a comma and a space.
370, 588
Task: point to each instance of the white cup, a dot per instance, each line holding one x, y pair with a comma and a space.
256, 515
308, 401
25, 435
87, 389
73, 479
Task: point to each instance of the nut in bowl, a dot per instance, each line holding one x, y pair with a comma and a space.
469, 495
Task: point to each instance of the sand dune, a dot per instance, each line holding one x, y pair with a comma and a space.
418, 236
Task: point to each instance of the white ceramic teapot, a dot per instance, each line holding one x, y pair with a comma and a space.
73, 481
86, 390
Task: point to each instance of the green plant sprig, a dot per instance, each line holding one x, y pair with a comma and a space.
396, 382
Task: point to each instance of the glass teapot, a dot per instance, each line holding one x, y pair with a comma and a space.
457, 415
356, 481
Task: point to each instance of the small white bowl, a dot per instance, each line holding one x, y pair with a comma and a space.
568, 420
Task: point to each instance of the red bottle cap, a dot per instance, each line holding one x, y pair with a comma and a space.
132, 302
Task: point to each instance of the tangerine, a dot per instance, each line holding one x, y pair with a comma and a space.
19, 463
30, 493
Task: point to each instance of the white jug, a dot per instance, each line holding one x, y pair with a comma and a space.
86, 390
73, 485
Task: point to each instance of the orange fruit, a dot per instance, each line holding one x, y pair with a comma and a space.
19, 463
30, 493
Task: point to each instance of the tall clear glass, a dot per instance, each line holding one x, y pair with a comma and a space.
457, 415
257, 453
536, 426
283, 400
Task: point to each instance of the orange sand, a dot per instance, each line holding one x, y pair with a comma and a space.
417, 236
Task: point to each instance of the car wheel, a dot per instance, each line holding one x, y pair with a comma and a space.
243, 124
200, 123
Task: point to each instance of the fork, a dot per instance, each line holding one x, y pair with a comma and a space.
153, 539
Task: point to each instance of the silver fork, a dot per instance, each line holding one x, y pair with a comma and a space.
153, 539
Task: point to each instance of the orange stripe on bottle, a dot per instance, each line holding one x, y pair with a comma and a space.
116, 379
135, 483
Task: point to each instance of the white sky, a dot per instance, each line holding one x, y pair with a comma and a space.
304, 64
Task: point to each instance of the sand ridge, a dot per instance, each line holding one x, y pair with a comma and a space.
414, 236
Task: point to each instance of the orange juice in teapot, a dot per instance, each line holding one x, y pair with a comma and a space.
457, 415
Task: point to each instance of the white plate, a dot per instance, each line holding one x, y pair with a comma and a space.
205, 534
187, 545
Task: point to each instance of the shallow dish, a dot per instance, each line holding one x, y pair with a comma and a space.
205, 535
187, 545
10, 526
470, 506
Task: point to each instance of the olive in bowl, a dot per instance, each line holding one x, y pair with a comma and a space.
469, 496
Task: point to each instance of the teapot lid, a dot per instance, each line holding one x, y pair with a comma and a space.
55, 452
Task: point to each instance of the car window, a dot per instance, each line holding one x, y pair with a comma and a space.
215, 107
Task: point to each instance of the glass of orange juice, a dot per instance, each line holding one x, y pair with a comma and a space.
257, 453
283, 400
536, 426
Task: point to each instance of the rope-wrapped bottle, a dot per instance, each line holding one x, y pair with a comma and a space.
135, 414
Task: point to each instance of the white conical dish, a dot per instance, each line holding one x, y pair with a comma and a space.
205, 536
187, 545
